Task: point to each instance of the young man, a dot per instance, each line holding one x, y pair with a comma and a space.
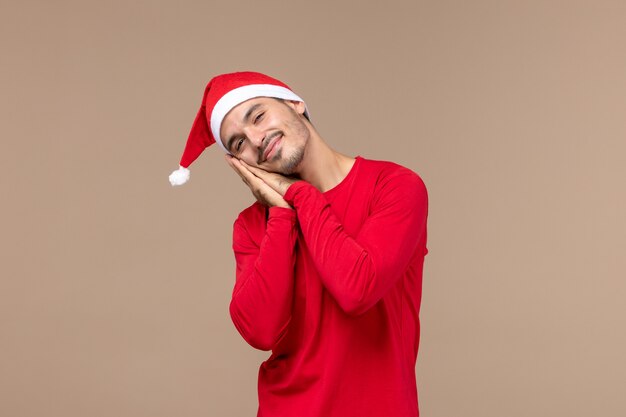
329, 259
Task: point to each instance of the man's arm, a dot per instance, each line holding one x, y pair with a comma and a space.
263, 294
359, 270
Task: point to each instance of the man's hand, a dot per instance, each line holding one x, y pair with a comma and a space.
277, 182
267, 187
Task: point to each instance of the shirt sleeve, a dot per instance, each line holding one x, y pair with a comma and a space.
263, 294
359, 270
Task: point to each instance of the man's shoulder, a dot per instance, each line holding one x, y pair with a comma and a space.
396, 184
388, 170
253, 215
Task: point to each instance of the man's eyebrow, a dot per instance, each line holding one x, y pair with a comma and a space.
250, 111
246, 117
229, 145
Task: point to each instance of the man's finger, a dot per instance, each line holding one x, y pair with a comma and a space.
249, 178
259, 187
256, 171
236, 167
278, 182
271, 178
246, 176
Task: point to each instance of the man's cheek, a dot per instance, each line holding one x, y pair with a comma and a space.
250, 161
245, 156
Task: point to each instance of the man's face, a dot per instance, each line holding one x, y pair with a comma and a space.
267, 133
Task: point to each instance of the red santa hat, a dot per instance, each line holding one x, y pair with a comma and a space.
221, 94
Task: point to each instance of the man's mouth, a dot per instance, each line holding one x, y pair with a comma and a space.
271, 144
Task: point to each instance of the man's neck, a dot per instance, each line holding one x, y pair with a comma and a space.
322, 166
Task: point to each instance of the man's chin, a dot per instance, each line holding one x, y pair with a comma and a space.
283, 163
289, 165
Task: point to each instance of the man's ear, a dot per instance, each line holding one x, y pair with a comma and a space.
297, 106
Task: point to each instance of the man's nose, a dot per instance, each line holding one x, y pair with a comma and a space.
255, 135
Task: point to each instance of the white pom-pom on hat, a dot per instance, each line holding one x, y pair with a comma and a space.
180, 176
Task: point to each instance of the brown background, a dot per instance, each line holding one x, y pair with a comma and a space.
115, 286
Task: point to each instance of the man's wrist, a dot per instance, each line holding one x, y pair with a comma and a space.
281, 212
293, 189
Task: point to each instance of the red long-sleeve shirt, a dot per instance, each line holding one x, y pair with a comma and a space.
333, 288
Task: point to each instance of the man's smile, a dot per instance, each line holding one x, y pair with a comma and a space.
271, 144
